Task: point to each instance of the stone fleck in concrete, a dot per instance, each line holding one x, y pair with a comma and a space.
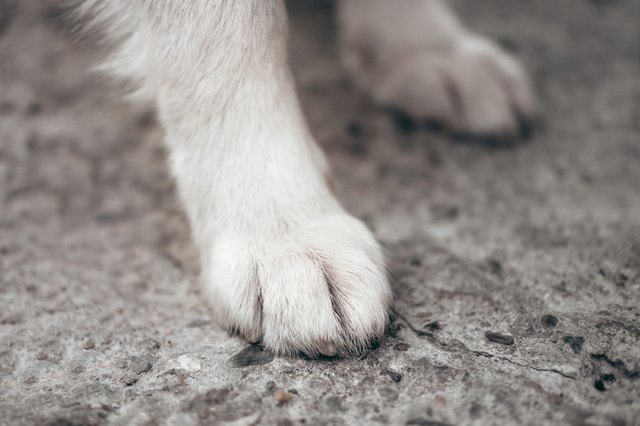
516, 270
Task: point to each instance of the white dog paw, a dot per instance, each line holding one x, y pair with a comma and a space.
317, 286
471, 87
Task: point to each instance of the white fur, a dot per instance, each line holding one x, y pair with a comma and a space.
282, 262
416, 56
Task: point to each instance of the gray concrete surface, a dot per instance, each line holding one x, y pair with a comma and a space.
516, 270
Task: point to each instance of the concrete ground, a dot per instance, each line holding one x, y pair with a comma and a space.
516, 270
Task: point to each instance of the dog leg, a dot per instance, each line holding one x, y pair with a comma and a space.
282, 262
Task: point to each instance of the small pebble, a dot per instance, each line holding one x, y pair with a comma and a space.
89, 344
495, 266
502, 339
433, 326
129, 379
282, 396
401, 347
574, 342
141, 364
549, 321
394, 375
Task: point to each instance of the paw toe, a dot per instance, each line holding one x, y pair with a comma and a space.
320, 291
473, 89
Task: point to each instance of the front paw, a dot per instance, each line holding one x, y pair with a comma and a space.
472, 87
318, 287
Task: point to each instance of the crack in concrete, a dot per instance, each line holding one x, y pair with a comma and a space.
510, 361
447, 347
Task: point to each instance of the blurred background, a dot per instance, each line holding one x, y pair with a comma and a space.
516, 269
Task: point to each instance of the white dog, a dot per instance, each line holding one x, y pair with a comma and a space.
282, 262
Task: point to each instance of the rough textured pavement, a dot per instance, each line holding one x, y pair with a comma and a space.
516, 270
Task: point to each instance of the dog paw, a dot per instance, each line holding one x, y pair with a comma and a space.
318, 286
470, 86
